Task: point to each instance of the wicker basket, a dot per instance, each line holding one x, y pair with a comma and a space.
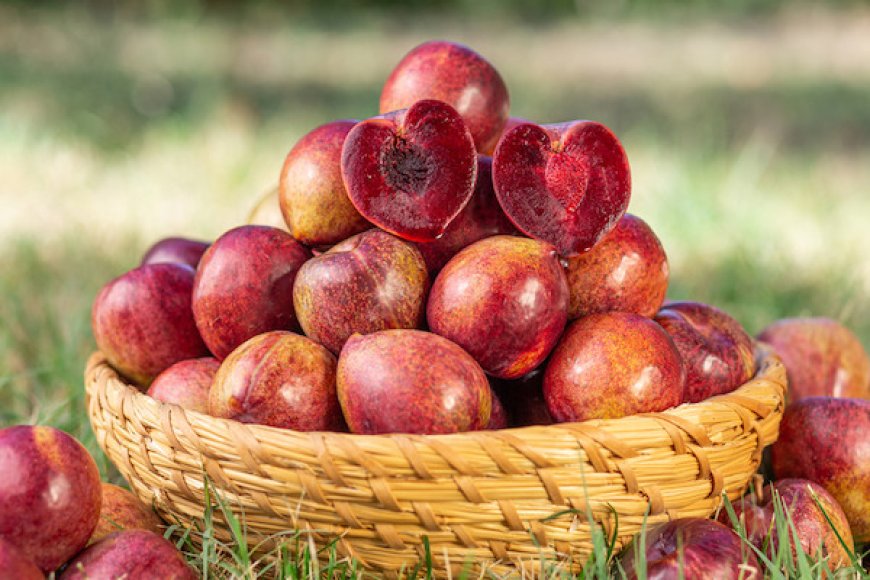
494, 499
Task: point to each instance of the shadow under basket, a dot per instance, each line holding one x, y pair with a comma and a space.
499, 500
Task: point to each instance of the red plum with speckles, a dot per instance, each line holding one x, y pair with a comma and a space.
49, 494
457, 75
244, 286
121, 510
372, 281
130, 554
627, 271
504, 300
716, 351
827, 440
410, 381
279, 379
142, 321
410, 172
312, 195
186, 383
610, 365
566, 184
15, 566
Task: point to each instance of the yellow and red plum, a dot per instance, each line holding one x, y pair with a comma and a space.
175, 251
626, 271
610, 365
566, 184
142, 321
410, 381
129, 554
372, 281
717, 353
313, 198
410, 172
244, 286
186, 383
816, 536
280, 379
121, 510
693, 548
49, 494
827, 440
457, 75
503, 299
14, 566
822, 357
481, 218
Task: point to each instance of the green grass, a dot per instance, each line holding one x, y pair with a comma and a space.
749, 143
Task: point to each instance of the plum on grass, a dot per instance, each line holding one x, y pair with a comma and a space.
129, 554
121, 510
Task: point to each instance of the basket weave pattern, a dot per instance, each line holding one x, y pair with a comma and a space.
498, 499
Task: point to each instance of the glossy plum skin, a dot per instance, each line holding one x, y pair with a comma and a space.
121, 510
504, 300
481, 218
523, 399
716, 351
702, 548
175, 251
279, 379
410, 172
372, 281
409, 381
186, 383
130, 554
627, 271
498, 417
49, 494
827, 440
244, 286
815, 534
313, 198
822, 357
610, 365
457, 75
142, 321
566, 184
15, 566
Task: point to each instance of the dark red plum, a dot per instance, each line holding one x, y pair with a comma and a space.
816, 536
565, 184
827, 440
410, 172
523, 399
14, 566
457, 75
186, 383
142, 321
49, 494
823, 358
410, 381
693, 548
717, 353
175, 251
244, 286
372, 281
313, 198
481, 218
130, 554
121, 510
504, 300
498, 418
280, 379
627, 271
610, 365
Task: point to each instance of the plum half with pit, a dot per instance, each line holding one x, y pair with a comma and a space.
410, 172
244, 286
504, 300
566, 184
372, 281
410, 381
453, 73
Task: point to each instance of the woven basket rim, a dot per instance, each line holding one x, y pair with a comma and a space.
766, 363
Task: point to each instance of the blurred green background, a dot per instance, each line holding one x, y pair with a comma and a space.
747, 125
